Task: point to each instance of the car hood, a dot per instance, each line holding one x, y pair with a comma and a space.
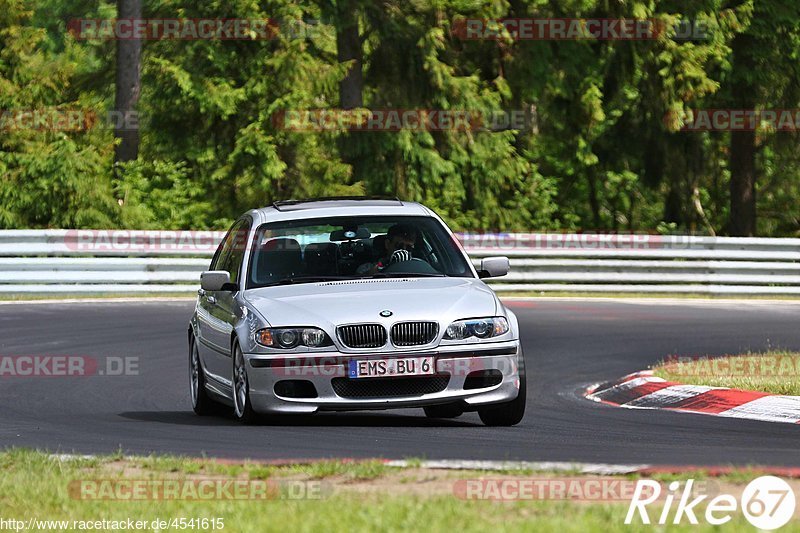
357, 301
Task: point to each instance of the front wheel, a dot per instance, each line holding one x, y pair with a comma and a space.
242, 408
201, 403
508, 413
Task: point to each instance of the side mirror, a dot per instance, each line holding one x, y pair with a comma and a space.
215, 280
493, 267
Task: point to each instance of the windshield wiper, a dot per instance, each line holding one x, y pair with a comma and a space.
407, 275
306, 279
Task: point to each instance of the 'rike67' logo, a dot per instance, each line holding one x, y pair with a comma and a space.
767, 502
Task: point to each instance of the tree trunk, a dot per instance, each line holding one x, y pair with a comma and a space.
743, 183
348, 48
351, 88
742, 155
127, 86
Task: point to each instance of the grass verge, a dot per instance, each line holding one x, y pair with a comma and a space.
776, 372
355, 496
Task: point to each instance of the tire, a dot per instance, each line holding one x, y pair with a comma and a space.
202, 404
242, 407
447, 410
508, 413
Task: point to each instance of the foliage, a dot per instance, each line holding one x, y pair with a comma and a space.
604, 150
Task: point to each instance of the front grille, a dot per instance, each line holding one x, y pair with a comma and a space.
389, 387
362, 335
414, 333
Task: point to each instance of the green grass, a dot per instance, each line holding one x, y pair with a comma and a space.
776, 372
741, 475
35, 485
354, 470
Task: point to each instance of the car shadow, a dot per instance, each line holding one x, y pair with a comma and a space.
188, 418
179, 418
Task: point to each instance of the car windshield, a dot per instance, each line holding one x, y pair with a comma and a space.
322, 249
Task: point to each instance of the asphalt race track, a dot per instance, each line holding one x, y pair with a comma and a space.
568, 344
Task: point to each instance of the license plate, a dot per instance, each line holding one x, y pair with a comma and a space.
376, 368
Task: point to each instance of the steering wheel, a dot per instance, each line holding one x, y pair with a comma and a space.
413, 266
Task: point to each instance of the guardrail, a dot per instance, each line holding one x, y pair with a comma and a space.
123, 261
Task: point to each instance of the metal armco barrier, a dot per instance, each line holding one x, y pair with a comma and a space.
128, 261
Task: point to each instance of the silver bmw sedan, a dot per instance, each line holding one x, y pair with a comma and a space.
344, 304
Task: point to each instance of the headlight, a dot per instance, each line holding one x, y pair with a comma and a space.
483, 328
288, 338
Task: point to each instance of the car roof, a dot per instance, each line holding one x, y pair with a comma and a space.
338, 206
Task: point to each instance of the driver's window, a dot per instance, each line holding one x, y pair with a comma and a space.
236, 248
223, 249
230, 253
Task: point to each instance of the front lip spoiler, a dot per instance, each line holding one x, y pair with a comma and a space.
339, 358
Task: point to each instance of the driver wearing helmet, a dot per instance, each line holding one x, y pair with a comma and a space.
398, 246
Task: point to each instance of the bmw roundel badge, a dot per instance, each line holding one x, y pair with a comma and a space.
386, 313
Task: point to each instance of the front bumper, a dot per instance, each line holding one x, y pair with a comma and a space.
321, 369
